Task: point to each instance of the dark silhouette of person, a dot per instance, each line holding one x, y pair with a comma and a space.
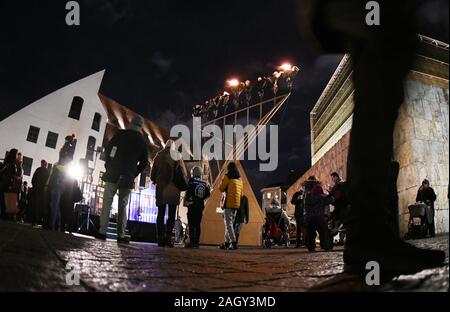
381, 57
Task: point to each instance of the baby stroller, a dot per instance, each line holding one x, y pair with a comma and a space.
421, 221
275, 230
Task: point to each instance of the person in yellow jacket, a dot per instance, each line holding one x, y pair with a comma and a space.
233, 187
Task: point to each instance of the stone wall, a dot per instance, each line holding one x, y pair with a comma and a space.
420, 146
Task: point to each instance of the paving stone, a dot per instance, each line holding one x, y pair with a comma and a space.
35, 260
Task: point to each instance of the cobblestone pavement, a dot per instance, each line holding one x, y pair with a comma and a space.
35, 260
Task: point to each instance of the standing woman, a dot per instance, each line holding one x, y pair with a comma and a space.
233, 187
167, 193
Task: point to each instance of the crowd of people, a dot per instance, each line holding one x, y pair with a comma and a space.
50, 199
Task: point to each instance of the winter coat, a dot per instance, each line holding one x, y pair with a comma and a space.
297, 201
162, 175
40, 178
57, 176
314, 199
7, 177
339, 200
234, 189
426, 195
196, 194
126, 156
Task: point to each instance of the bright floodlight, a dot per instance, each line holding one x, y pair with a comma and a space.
233, 82
286, 67
76, 171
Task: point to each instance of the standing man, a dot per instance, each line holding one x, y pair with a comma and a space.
381, 40
126, 156
38, 182
340, 203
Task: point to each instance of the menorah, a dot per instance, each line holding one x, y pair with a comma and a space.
236, 101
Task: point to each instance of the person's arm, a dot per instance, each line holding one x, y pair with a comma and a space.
154, 171
433, 195
207, 191
143, 160
418, 196
108, 149
224, 184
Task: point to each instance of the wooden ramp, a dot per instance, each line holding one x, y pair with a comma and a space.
212, 222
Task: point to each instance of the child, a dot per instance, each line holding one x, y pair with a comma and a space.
196, 194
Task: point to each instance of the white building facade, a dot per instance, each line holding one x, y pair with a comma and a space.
38, 130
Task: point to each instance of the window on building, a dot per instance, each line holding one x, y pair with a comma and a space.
90, 148
96, 122
27, 164
52, 139
33, 134
75, 108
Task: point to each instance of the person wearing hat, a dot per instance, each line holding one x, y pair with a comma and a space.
314, 202
38, 182
126, 156
198, 190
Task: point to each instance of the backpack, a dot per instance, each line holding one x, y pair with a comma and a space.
178, 177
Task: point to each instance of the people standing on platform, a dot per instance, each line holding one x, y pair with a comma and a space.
233, 187
314, 204
197, 191
126, 156
39, 198
297, 201
9, 192
167, 192
338, 194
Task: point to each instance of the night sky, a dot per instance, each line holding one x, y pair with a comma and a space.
163, 57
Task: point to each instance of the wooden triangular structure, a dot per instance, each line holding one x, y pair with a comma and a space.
212, 222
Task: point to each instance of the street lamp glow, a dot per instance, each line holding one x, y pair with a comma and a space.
286, 67
76, 171
233, 83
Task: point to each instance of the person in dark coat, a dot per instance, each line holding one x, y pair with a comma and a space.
381, 58
72, 194
314, 202
426, 195
167, 193
126, 156
8, 174
338, 195
39, 198
197, 192
242, 217
297, 201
